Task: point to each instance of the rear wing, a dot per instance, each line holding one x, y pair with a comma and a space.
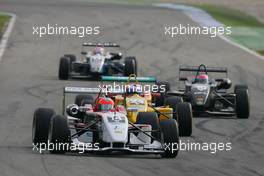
86, 90
107, 44
201, 68
208, 69
131, 78
80, 90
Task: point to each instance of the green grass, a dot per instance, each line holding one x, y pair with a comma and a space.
229, 16
3, 22
261, 52
246, 29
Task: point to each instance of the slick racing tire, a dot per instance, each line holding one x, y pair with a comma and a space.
40, 127
166, 86
64, 68
71, 57
185, 116
159, 100
130, 66
81, 100
242, 104
169, 130
172, 102
59, 134
238, 87
150, 118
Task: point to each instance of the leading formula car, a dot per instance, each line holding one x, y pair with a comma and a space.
209, 95
104, 127
95, 63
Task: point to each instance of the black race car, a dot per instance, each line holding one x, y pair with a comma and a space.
209, 96
96, 63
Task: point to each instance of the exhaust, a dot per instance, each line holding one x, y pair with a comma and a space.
72, 110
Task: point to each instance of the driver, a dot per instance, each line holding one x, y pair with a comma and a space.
202, 79
104, 104
99, 50
133, 89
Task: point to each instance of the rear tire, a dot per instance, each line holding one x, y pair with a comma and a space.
87, 101
59, 134
165, 84
169, 129
185, 116
150, 118
130, 66
172, 102
80, 100
64, 68
242, 104
40, 127
160, 100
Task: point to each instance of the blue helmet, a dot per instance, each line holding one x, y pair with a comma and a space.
133, 88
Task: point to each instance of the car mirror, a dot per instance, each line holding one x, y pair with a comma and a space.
183, 79
116, 56
219, 79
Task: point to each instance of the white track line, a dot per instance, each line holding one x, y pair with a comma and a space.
4, 40
204, 19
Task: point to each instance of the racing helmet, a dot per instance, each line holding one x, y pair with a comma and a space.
133, 88
99, 50
202, 79
105, 104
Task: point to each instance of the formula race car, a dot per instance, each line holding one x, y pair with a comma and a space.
209, 96
95, 63
136, 99
100, 126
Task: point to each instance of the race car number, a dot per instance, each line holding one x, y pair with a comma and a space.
201, 88
119, 119
135, 101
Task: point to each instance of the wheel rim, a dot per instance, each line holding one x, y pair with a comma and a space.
34, 128
50, 131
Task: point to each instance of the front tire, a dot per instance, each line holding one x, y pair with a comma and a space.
150, 118
169, 129
40, 127
72, 57
185, 116
239, 87
64, 68
59, 134
242, 104
130, 66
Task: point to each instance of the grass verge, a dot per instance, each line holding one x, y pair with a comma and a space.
246, 29
3, 23
229, 16
261, 52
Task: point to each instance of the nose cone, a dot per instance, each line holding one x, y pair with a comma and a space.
115, 127
97, 63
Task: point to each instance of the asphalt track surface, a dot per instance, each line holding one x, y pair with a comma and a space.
28, 79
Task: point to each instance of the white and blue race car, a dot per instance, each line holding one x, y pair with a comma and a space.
95, 63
